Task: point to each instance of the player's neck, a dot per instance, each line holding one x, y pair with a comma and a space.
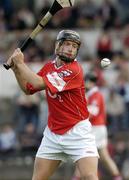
59, 62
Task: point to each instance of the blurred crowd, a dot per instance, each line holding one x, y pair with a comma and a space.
109, 20
14, 15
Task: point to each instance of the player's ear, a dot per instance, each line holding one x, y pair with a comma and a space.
57, 46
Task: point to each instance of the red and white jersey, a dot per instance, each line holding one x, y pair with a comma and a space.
96, 107
65, 92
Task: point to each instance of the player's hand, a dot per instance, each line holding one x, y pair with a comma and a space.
16, 58
10, 62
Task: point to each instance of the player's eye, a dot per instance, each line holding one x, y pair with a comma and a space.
75, 45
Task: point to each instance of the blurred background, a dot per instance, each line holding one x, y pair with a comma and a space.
104, 29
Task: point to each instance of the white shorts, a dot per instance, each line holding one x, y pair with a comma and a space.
75, 144
100, 133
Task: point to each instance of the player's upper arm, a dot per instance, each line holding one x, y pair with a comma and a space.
39, 84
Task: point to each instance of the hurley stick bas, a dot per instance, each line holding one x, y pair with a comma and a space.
56, 6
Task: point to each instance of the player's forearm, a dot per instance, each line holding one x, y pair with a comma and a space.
24, 75
22, 82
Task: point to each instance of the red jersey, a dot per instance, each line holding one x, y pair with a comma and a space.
96, 107
65, 92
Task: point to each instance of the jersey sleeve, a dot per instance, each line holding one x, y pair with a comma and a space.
65, 80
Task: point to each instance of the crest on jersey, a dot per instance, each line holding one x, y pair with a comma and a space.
65, 73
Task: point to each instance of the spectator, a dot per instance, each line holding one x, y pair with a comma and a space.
123, 6
8, 141
3, 26
107, 14
126, 41
123, 89
121, 152
16, 23
8, 7
27, 16
125, 167
34, 53
29, 140
28, 110
104, 46
87, 13
115, 111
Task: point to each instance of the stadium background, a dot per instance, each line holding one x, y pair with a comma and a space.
104, 28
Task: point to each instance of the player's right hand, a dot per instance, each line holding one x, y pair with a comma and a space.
10, 62
17, 57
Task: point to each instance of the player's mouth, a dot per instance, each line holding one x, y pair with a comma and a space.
68, 54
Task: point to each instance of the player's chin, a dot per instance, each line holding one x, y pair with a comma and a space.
68, 58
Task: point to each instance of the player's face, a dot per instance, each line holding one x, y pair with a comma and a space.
68, 49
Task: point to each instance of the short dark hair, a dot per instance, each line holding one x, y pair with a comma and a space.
91, 77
